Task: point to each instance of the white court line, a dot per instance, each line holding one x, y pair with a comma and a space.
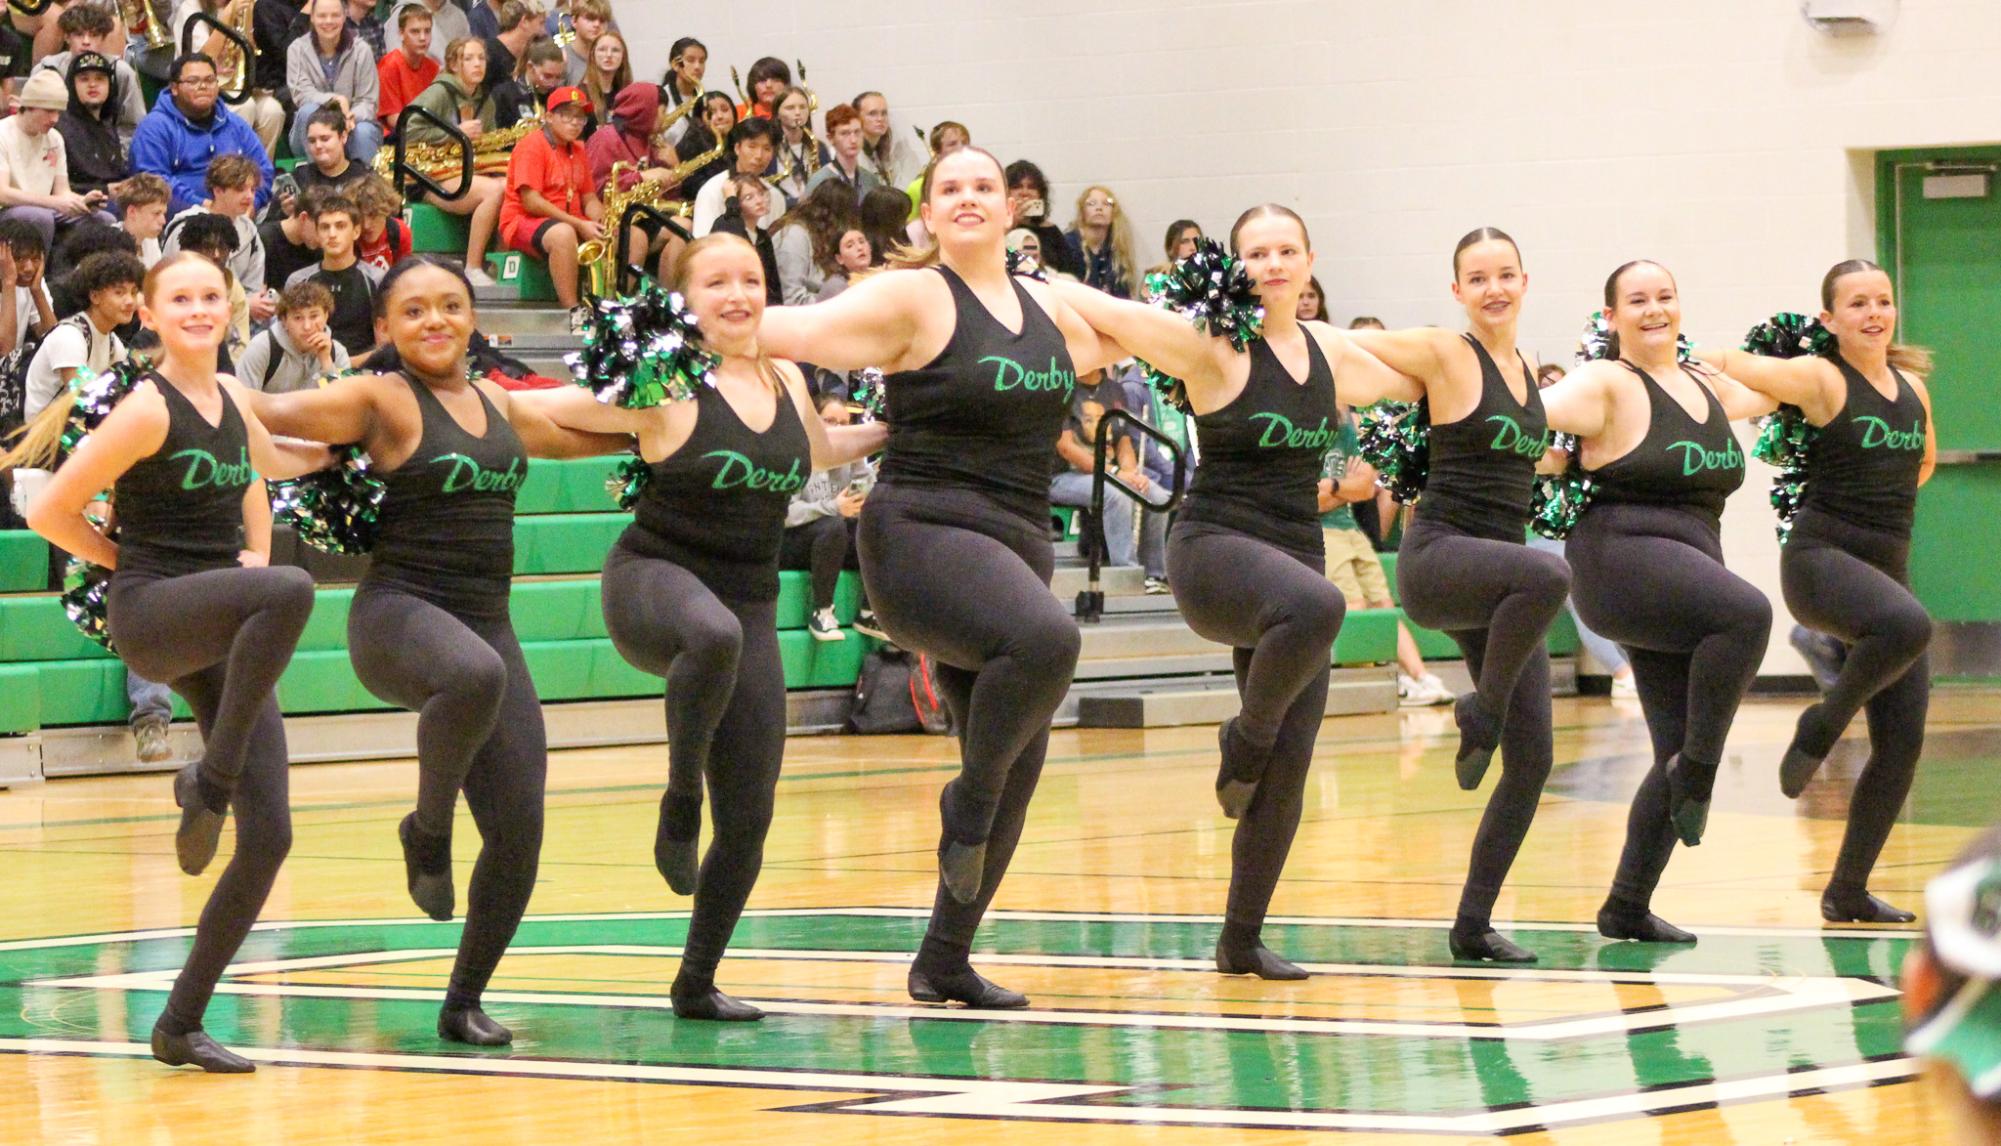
1761, 995
925, 913
1041, 1101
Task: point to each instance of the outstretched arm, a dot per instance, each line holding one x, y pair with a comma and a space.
574, 408
273, 459
1414, 353
1361, 378
1581, 402
872, 323
542, 437
1165, 339
341, 413
832, 445
1739, 401
1794, 381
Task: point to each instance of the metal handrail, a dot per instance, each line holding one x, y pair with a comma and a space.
1091, 602
647, 213
246, 52
404, 175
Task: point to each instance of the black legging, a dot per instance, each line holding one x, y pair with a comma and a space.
1855, 584
220, 639
479, 727
1652, 579
977, 599
825, 546
1279, 614
725, 720
1495, 599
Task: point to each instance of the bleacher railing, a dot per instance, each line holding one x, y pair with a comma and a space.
406, 175
1091, 602
651, 220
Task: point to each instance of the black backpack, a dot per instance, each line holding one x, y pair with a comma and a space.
897, 692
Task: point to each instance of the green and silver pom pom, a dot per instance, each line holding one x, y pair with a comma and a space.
1395, 437
85, 587
868, 393
1025, 266
1789, 335
1558, 501
1785, 438
93, 395
1595, 344
628, 481
334, 510
1211, 289
642, 351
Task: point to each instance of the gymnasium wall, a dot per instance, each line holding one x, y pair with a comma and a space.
1726, 138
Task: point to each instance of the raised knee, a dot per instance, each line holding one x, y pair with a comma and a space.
715, 642
1910, 627
1549, 577
1050, 646
480, 676
1323, 613
291, 590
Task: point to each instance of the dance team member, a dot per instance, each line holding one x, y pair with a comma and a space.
1845, 568
691, 590
429, 628
1246, 556
1647, 571
1463, 568
192, 603
980, 369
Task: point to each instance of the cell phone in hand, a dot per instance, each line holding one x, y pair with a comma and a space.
1034, 209
284, 186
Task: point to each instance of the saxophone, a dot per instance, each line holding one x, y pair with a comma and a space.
599, 257
440, 160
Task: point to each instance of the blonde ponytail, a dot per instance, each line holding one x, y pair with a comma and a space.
38, 445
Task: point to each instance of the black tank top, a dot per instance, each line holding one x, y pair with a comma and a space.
1483, 465
1863, 467
445, 533
180, 511
1262, 453
985, 414
716, 506
1681, 462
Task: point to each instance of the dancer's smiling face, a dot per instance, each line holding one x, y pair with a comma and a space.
967, 202
187, 304
429, 316
1490, 282
1645, 310
1863, 312
1278, 259
723, 284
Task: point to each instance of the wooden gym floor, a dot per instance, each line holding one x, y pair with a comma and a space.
1772, 1030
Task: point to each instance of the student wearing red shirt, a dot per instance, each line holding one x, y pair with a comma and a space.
551, 205
384, 240
409, 69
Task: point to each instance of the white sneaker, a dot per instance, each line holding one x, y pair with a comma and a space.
1411, 693
1623, 688
1439, 693
478, 277
823, 626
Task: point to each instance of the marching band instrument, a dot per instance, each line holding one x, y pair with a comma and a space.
440, 159
142, 19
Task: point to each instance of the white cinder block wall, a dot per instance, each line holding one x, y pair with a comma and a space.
1725, 138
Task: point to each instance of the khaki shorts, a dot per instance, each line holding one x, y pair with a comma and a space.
1354, 568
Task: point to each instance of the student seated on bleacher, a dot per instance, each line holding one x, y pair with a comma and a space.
110, 280
1127, 541
88, 127
538, 76
333, 65
292, 242
232, 189
298, 351
27, 313
550, 207
327, 164
350, 281
34, 165
142, 212
448, 23
820, 532
261, 111
463, 95
408, 69
87, 30
189, 129
385, 239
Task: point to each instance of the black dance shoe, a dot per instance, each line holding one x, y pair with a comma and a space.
1238, 774
1643, 926
200, 832
1855, 905
1806, 753
196, 1049
1479, 737
677, 840
1690, 785
701, 1001
427, 869
1487, 947
1256, 960
963, 986
471, 1026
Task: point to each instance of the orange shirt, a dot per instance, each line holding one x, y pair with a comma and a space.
563, 176
399, 83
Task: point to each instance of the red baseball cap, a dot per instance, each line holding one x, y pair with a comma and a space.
569, 95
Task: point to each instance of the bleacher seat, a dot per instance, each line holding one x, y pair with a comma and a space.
435, 230
24, 561
529, 276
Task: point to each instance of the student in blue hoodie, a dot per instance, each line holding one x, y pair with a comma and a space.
188, 128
